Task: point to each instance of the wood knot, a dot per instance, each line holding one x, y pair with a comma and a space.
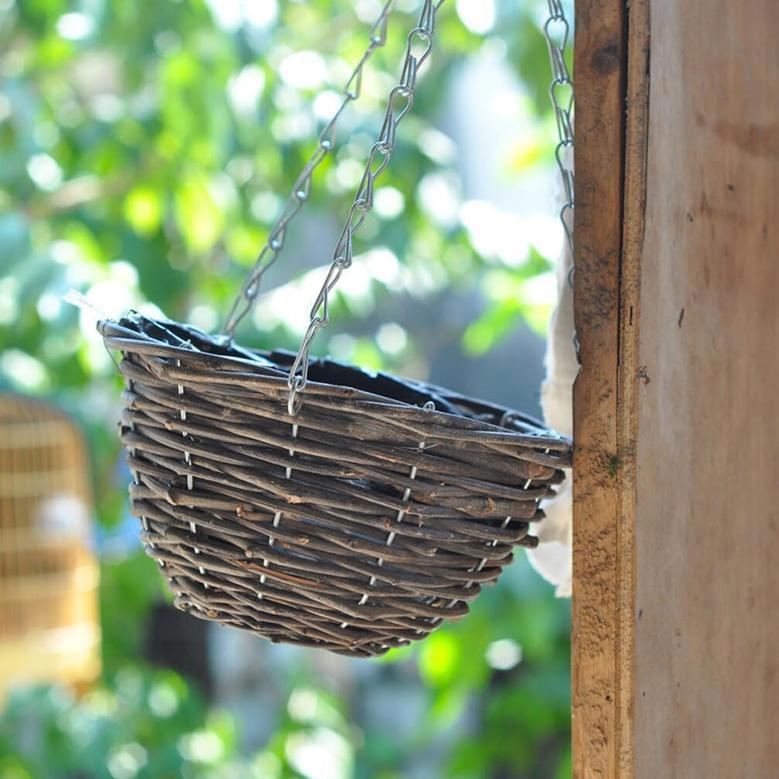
606, 59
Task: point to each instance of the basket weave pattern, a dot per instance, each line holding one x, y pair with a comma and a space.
357, 525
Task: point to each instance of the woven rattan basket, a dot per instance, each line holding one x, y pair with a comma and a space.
356, 520
357, 525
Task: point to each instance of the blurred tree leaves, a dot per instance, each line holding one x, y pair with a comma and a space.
511, 301
143, 210
199, 218
149, 725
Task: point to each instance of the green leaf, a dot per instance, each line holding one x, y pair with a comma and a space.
493, 325
438, 658
244, 243
199, 218
143, 210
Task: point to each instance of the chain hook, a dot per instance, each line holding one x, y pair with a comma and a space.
363, 198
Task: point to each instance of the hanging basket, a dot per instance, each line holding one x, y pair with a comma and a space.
357, 525
355, 520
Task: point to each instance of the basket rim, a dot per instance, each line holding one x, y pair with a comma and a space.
125, 335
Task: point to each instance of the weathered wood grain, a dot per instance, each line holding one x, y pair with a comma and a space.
676, 619
600, 77
706, 521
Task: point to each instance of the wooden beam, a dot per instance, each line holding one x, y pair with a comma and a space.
676, 526
599, 72
706, 668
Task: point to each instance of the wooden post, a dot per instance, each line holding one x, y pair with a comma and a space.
676, 409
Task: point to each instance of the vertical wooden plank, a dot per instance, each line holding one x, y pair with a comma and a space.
630, 371
676, 615
599, 66
707, 456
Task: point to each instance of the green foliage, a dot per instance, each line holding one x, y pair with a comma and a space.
144, 149
512, 300
134, 582
146, 726
511, 654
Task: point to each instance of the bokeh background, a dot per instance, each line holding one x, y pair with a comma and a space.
145, 149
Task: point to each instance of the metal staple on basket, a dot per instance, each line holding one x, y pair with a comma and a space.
357, 525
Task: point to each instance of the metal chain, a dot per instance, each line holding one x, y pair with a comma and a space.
301, 190
557, 32
401, 94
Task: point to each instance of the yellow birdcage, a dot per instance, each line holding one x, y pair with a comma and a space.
49, 628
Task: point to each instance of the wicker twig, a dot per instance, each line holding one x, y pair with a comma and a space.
357, 525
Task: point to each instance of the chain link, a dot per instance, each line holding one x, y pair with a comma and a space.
301, 190
557, 32
419, 44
